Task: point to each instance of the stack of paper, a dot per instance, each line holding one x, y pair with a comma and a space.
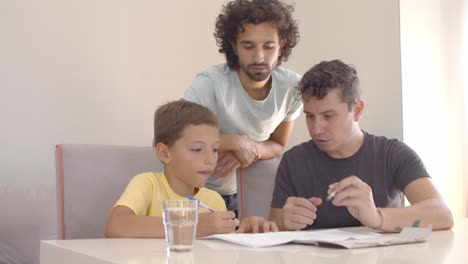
331, 237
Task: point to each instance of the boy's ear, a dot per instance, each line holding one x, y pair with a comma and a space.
162, 151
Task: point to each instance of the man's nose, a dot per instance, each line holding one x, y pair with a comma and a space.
317, 127
259, 56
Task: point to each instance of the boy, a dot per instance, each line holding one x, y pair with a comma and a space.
186, 140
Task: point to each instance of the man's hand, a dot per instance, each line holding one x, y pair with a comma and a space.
299, 212
256, 224
356, 195
227, 163
216, 223
246, 151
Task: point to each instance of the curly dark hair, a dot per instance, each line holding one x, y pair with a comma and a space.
237, 13
327, 76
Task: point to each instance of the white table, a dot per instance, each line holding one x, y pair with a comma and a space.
449, 246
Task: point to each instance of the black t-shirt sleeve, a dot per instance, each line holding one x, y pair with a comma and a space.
407, 166
283, 184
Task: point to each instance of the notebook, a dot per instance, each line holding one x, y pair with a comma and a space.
329, 237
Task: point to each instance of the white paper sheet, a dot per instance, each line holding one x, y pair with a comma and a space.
334, 237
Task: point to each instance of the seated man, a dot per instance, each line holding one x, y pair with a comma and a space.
363, 176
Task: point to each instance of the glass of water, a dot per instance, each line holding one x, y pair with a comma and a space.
180, 219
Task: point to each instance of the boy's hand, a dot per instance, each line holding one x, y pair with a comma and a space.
216, 223
256, 224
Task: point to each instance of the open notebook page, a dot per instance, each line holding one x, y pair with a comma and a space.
278, 238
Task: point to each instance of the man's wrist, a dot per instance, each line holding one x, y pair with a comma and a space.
258, 150
381, 218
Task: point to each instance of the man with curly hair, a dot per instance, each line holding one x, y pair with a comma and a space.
253, 99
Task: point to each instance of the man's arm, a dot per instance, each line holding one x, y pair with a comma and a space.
227, 162
427, 206
248, 151
240, 151
276, 215
275, 145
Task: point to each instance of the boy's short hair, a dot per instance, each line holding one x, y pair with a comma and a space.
171, 119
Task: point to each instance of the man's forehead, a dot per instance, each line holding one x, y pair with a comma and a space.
262, 29
326, 104
320, 111
331, 96
251, 41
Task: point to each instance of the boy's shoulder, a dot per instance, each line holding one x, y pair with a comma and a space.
212, 198
208, 193
147, 178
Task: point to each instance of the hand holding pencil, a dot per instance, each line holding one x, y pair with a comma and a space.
357, 196
216, 223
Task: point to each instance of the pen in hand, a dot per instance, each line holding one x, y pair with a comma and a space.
202, 205
331, 196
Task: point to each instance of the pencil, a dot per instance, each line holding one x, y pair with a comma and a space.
202, 205
331, 196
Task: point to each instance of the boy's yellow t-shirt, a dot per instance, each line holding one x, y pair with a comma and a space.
145, 192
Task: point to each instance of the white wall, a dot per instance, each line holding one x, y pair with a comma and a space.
94, 71
465, 96
433, 102
91, 72
364, 33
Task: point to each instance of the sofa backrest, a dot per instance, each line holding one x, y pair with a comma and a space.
90, 179
28, 216
255, 186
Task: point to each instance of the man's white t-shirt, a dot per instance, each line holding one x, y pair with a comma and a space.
219, 89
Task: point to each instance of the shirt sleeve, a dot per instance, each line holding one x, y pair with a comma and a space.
283, 185
137, 195
295, 110
407, 166
201, 91
295, 102
218, 203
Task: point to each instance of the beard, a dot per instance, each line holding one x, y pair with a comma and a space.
257, 76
